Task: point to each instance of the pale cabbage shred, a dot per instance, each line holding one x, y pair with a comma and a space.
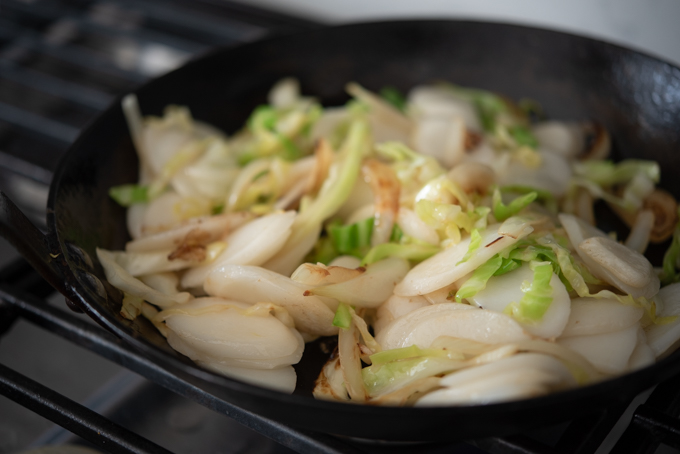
473, 288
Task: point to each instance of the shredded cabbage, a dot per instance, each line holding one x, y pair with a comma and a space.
393, 369
129, 194
475, 242
343, 318
353, 239
331, 196
671, 259
394, 97
637, 177
537, 295
479, 278
413, 252
502, 212
474, 210
609, 173
279, 132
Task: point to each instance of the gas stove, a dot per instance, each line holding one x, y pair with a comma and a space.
65, 381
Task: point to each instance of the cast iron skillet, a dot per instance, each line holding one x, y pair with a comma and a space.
635, 96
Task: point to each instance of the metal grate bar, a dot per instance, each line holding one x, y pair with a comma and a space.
25, 169
22, 276
73, 416
43, 12
71, 92
654, 422
140, 36
36, 124
266, 19
516, 444
8, 315
665, 428
8, 30
220, 31
77, 56
586, 433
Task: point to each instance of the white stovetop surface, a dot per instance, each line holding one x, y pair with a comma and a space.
647, 25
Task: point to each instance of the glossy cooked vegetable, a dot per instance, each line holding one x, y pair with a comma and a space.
446, 239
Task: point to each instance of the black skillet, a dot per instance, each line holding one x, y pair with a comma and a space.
635, 96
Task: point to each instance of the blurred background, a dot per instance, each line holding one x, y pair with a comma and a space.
649, 25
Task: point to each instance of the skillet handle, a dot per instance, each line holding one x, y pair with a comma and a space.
33, 245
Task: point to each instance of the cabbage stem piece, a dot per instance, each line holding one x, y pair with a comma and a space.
330, 385
386, 189
411, 225
622, 267
520, 376
122, 280
397, 370
422, 326
208, 229
565, 139
537, 295
320, 274
382, 115
395, 307
599, 315
479, 278
127, 195
580, 368
369, 341
370, 289
640, 233
387, 378
141, 263
407, 394
163, 282
310, 313
252, 244
350, 361
131, 307
135, 123
223, 334
671, 259
351, 239
182, 158
342, 319
412, 252
608, 173
637, 176
445, 267
281, 379
662, 337
545, 317
502, 212
610, 352
331, 196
